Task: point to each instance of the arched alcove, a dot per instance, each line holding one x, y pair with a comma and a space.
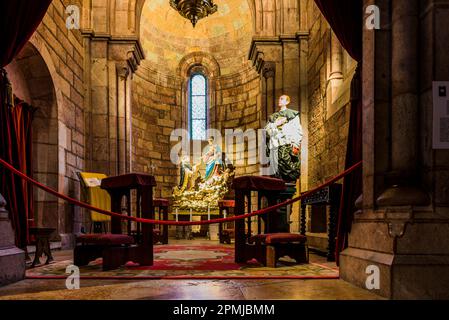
204, 63
218, 47
32, 83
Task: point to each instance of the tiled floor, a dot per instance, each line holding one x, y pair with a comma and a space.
187, 289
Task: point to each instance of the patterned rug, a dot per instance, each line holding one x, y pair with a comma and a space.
191, 262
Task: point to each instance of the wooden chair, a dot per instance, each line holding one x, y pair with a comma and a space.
272, 239
97, 197
116, 248
98, 242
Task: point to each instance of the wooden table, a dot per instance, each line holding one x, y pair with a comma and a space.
42, 244
119, 187
328, 197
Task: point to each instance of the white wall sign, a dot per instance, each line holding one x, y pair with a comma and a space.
441, 114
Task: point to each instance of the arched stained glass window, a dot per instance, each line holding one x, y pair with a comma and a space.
198, 107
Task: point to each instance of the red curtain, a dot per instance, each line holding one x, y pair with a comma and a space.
346, 20
19, 19
19, 121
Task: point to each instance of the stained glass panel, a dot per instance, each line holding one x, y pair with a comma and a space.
199, 107
198, 130
198, 85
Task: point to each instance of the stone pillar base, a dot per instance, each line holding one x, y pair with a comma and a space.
12, 259
401, 276
12, 265
411, 266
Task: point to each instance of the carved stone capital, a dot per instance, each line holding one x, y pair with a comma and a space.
128, 50
269, 69
396, 229
121, 48
123, 70
261, 50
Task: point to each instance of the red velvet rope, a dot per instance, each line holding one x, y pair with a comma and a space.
179, 223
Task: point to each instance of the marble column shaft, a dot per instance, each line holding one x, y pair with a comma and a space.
404, 106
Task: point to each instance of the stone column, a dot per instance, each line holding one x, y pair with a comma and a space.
398, 235
113, 61
109, 65
304, 110
128, 122
290, 68
402, 179
124, 57
12, 259
269, 89
97, 123
335, 66
122, 117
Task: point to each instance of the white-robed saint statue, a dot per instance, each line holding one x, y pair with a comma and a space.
284, 134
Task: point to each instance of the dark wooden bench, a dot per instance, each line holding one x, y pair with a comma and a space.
110, 247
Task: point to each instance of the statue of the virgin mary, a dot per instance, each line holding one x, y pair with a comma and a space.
212, 157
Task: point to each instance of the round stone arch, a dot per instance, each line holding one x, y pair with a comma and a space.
31, 76
204, 59
206, 64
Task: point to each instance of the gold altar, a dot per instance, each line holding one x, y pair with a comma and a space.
201, 194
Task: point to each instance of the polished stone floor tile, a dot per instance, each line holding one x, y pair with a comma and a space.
186, 289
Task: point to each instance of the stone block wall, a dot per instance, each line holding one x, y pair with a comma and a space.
156, 112
238, 106
67, 54
52, 67
327, 132
326, 73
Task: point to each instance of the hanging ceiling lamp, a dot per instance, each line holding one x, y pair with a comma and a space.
194, 10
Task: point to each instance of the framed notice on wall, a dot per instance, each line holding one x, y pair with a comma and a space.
441, 114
